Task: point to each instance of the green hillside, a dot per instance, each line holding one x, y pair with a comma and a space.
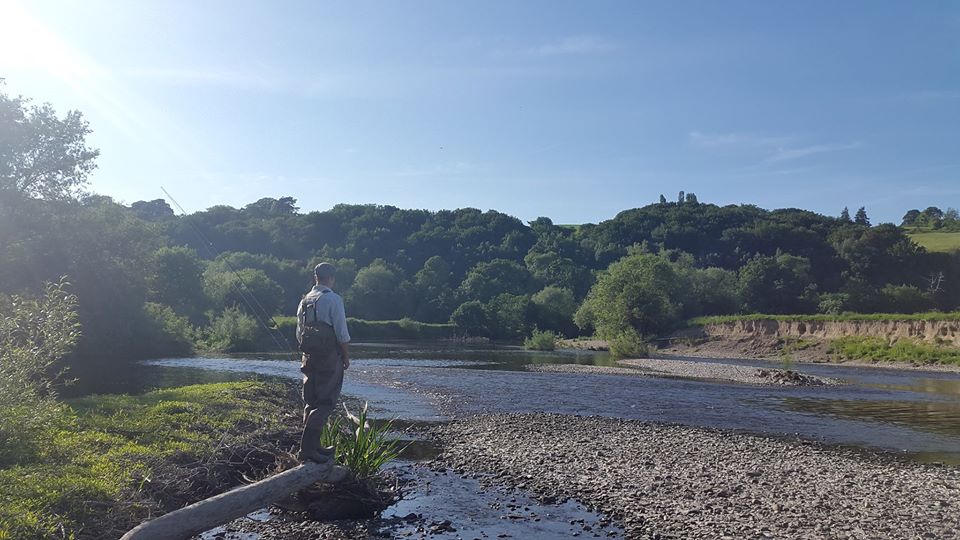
937, 241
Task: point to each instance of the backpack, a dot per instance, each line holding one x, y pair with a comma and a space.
315, 336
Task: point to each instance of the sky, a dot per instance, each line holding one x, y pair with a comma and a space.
571, 110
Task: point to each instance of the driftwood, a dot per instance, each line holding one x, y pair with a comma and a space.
206, 514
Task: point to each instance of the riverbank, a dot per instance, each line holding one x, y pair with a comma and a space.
117, 460
667, 481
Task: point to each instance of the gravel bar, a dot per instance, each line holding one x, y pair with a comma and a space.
670, 481
693, 369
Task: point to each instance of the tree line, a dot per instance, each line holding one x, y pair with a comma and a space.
151, 282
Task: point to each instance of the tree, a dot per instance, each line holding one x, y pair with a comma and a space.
175, 279
379, 292
861, 217
777, 284
910, 218
845, 215
470, 318
155, 210
643, 292
554, 308
488, 279
691, 198
663, 200
41, 154
931, 217
246, 288
681, 198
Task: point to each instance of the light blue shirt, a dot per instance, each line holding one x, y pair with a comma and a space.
329, 310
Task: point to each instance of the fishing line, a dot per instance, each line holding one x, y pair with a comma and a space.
243, 288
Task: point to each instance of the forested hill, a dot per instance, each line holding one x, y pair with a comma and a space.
151, 282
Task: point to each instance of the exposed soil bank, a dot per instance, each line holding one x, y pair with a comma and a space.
944, 332
665, 481
774, 349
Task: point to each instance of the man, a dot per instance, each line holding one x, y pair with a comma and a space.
323, 337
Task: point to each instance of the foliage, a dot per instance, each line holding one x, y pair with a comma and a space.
103, 449
901, 350
628, 344
554, 308
777, 284
540, 340
163, 333
470, 319
175, 277
643, 293
231, 330
363, 447
35, 335
41, 154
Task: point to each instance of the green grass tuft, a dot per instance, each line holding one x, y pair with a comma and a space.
105, 445
902, 350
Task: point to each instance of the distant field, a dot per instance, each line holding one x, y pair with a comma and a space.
937, 241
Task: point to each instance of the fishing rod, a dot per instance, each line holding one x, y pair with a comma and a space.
255, 306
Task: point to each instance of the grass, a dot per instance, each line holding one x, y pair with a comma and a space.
945, 242
106, 446
843, 317
540, 340
364, 447
902, 350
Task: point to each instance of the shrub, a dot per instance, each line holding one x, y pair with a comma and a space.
628, 344
34, 336
540, 340
231, 331
163, 333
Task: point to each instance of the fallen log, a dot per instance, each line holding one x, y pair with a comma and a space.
209, 513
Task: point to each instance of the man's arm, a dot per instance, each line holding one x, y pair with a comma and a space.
343, 335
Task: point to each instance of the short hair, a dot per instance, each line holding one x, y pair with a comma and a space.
324, 271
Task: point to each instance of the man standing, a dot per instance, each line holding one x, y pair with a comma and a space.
323, 337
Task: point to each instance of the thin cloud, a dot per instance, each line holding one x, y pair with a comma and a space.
573, 45
775, 148
785, 154
737, 139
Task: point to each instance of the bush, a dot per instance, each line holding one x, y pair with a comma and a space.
628, 344
231, 331
34, 336
540, 340
163, 333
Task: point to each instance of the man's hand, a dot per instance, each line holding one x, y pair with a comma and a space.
345, 355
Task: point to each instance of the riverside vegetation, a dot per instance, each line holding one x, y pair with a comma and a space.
153, 283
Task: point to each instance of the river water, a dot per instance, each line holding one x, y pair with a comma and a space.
916, 413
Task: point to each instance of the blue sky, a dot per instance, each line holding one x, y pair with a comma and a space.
572, 110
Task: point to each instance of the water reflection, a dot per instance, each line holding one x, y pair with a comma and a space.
942, 417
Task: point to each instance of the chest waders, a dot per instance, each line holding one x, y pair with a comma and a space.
322, 370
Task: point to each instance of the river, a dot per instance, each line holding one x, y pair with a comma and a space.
916, 413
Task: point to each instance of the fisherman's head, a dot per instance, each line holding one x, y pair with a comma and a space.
325, 274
